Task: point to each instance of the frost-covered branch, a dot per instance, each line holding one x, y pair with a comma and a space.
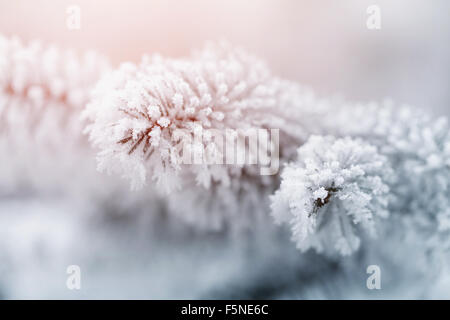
417, 146
334, 188
144, 115
43, 90
144, 118
42, 87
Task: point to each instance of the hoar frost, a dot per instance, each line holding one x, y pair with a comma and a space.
43, 88
417, 147
335, 190
42, 92
141, 115
145, 116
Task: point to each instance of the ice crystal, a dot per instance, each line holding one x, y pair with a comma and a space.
336, 189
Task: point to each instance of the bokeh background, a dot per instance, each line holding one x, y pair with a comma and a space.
322, 43
124, 249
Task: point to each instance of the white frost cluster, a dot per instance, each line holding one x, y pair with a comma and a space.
44, 84
43, 90
417, 146
144, 116
335, 190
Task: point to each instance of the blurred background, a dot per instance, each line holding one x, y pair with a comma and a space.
124, 246
324, 44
